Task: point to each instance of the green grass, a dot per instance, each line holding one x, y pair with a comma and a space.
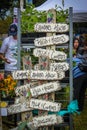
80, 121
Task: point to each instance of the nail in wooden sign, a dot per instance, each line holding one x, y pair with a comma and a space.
45, 88
52, 40
52, 27
45, 105
62, 66
47, 120
55, 55
38, 75
20, 107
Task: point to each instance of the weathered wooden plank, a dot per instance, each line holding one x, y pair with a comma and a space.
51, 27
45, 105
54, 55
45, 88
52, 40
20, 107
47, 120
22, 90
38, 75
61, 66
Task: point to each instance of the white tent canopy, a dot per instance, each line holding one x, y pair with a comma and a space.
79, 8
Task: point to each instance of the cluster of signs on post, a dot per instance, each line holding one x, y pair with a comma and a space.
56, 72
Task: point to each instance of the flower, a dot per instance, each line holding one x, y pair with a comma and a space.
7, 85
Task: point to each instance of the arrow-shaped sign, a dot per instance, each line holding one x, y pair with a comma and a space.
52, 40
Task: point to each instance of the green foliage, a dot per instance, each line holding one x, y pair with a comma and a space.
4, 25
31, 16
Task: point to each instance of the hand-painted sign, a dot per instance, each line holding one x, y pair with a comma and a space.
45, 105
47, 120
20, 107
45, 88
62, 66
38, 75
22, 90
27, 65
46, 75
52, 40
55, 55
51, 27
20, 74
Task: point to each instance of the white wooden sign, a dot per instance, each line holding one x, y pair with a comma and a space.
55, 55
46, 75
44, 105
39, 75
51, 27
52, 40
22, 90
20, 107
45, 88
47, 120
20, 74
62, 66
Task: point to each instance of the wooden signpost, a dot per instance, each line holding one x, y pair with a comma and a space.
25, 90
46, 76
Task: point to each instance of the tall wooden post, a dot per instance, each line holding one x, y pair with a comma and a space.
51, 18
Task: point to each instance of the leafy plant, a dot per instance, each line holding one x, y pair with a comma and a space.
31, 16
7, 85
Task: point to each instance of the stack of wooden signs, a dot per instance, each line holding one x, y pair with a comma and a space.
44, 81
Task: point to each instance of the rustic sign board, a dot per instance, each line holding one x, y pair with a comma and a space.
22, 90
51, 27
61, 66
41, 121
55, 55
43, 63
21, 74
45, 88
39, 75
44, 105
47, 120
46, 75
27, 65
20, 107
52, 40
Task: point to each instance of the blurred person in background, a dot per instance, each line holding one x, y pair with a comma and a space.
8, 50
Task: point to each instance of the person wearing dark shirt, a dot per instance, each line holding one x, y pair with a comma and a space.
79, 82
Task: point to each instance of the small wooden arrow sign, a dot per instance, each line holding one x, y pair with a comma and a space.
51, 27
45, 88
38, 75
55, 55
45, 105
52, 40
62, 66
